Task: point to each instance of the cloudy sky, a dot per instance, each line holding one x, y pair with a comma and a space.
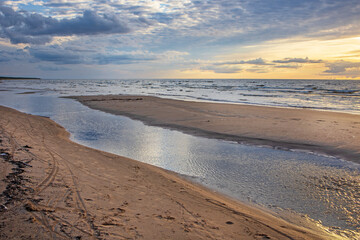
318, 39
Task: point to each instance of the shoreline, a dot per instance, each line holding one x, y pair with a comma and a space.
19, 78
250, 104
285, 128
69, 189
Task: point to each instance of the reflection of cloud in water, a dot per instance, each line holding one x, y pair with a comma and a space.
91, 135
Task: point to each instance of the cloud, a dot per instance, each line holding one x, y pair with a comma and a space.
103, 59
56, 54
354, 51
12, 55
218, 69
71, 55
165, 29
52, 3
257, 70
288, 66
52, 68
227, 21
342, 67
351, 54
259, 66
202, 23
298, 60
123, 57
25, 27
258, 61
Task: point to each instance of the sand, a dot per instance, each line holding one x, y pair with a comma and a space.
56, 189
332, 133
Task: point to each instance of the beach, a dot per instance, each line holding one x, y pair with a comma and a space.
56, 188
180, 120
332, 133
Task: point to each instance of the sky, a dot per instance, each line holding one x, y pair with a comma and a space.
125, 39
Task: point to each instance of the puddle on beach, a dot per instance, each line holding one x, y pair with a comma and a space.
324, 188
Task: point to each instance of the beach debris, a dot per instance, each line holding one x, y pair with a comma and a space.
30, 207
15, 189
165, 217
26, 164
263, 236
6, 156
121, 210
3, 207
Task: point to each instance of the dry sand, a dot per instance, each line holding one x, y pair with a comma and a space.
57, 189
333, 133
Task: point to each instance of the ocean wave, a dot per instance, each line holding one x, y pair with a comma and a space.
344, 91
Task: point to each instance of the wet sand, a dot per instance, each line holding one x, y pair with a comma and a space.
55, 188
332, 133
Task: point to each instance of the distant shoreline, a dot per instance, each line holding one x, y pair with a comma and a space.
19, 78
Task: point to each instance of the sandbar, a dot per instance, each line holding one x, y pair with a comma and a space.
332, 133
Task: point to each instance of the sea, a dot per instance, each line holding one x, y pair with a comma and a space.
332, 95
298, 186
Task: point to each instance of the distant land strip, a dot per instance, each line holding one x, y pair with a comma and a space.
19, 78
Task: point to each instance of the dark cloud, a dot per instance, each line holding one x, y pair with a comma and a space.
56, 55
258, 61
12, 55
89, 24
60, 55
80, 49
298, 60
121, 59
16, 38
23, 27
